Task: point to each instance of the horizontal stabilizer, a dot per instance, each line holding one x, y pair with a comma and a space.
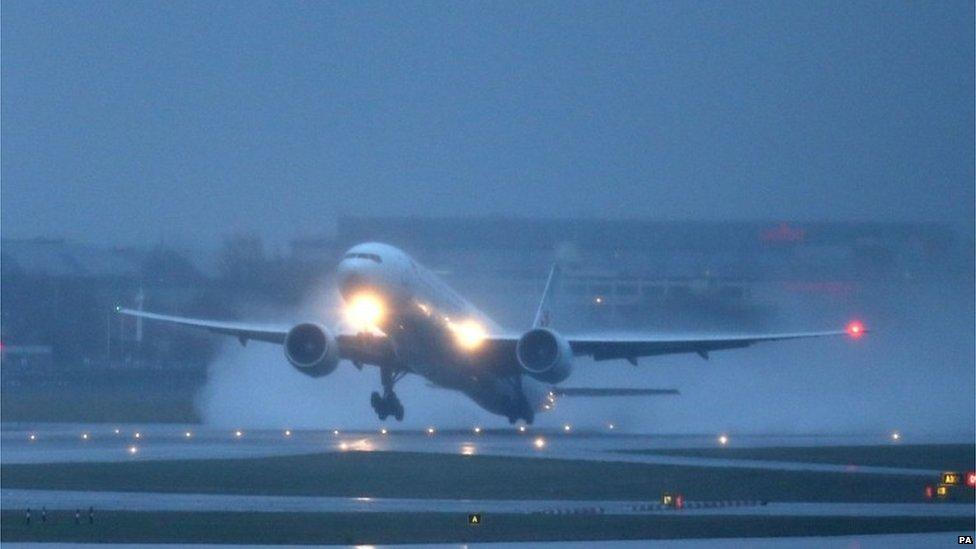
610, 392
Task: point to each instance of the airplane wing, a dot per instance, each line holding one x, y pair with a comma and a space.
241, 330
610, 392
362, 348
606, 348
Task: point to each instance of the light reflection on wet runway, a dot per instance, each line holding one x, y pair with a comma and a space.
49, 443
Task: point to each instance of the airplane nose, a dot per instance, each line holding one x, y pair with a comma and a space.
353, 277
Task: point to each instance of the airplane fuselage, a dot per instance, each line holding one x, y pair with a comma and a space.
436, 333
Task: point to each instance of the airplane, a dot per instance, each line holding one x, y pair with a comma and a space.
403, 319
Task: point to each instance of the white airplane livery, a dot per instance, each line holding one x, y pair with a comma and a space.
404, 320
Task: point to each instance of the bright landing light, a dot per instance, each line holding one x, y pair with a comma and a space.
364, 311
470, 335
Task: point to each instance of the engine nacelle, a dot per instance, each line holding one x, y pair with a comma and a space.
545, 355
312, 350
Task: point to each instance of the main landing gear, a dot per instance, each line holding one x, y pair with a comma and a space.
388, 404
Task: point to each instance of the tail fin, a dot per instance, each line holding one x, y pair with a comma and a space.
543, 314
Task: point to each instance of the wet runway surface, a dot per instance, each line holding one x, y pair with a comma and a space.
63, 443
154, 501
55, 443
58, 443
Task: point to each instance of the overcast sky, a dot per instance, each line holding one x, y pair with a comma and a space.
135, 121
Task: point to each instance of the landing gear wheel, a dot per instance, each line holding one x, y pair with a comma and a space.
388, 404
379, 405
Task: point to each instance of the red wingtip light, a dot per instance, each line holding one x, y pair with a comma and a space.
855, 329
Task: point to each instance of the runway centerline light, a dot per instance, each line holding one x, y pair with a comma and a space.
539, 443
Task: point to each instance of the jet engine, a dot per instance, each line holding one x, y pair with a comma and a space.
544, 355
312, 350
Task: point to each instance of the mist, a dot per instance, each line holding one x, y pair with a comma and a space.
913, 373
655, 141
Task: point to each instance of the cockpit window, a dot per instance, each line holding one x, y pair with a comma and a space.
371, 257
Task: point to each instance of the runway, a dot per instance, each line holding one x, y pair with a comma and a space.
155, 501
58, 443
128, 469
